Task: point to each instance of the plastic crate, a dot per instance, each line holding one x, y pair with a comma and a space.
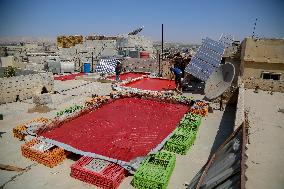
44, 153
181, 141
155, 171
199, 111
20, 130
199, 108
190, 121
98, 172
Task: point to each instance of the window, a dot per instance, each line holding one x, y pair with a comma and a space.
271, 75
275, 76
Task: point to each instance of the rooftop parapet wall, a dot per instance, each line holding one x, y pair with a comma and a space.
266, 85
240, 110
24, 86
263, 50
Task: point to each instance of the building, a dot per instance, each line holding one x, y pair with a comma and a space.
262, 63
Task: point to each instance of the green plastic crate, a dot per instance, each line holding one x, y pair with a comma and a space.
191, 120
181, 141
155, 171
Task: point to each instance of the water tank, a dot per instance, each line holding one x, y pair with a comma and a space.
87, 67
144, 54
67, 67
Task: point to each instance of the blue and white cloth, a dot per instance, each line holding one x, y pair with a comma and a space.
105, 66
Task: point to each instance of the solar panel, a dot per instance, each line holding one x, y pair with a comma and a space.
206, 60
226, 39
216, 49
215, 43
211, 53
106, 66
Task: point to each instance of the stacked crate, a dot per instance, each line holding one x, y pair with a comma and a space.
20, 130
184, 135
99, 172
155, 171
200, 108
180, 142
43, 152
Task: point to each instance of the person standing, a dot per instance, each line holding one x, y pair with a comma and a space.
118, 69
177, 73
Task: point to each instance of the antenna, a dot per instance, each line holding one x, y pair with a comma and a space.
135, 32
219, 81
253, 32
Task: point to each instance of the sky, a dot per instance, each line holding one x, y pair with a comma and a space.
186, 21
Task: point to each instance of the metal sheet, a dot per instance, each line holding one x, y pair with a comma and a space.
223, 169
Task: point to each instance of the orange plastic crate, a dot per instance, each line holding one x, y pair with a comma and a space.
18, 131
49, 157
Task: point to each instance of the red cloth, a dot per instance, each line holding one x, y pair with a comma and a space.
122, 129
153, 84
125, 76
68, 77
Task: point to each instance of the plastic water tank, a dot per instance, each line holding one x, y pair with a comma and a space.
67, 66
87, 67
144, 54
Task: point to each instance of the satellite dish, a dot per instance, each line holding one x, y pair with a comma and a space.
219, 81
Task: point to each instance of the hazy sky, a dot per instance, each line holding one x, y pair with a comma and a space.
184, 20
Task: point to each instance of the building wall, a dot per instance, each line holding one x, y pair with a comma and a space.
263, 55
254, 69
263, 84
24, 86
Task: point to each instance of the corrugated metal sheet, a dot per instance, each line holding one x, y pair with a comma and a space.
225, 169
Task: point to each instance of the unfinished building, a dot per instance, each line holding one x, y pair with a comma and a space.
262, 64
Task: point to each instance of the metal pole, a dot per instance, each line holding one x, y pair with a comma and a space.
159, 65
93, 62
162, 40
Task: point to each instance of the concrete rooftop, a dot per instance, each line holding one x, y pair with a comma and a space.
77, 91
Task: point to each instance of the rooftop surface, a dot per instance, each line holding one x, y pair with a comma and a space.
266, 146
211, 133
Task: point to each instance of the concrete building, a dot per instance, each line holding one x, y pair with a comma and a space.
11, 61
262, 63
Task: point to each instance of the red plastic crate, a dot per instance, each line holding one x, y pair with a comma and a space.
98, 172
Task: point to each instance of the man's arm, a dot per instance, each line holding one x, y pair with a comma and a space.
172, 75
